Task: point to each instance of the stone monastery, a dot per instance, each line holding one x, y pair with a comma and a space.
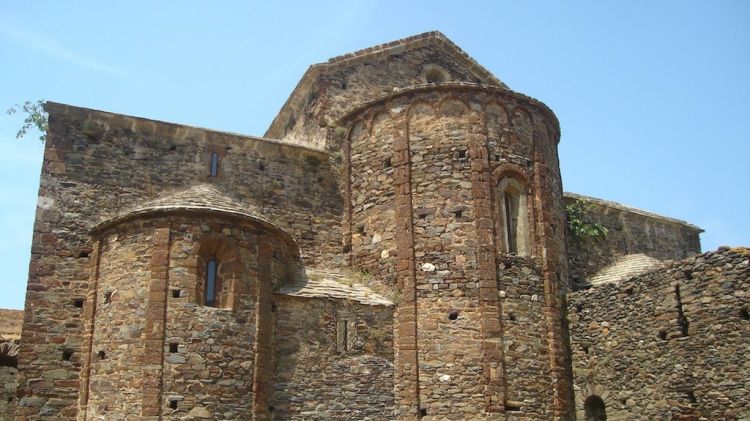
394, 248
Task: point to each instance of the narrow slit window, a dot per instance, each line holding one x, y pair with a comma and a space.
211, 269
512, 225
214, 164
511, 222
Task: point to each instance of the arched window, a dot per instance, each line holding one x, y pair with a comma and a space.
214, 164
594, 409
212, 269
219, 269
513, 227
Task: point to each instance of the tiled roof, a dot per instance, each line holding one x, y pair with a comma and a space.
626, 267
333, 285
206, 198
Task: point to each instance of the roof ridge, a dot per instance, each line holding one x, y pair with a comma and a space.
616, 205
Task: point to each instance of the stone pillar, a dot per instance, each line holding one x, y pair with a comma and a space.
156, 307
89, 320
405, 327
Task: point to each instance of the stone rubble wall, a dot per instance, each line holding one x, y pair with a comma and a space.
333, 360
670, 344
334, 89
98, 164
8, 399
156, 349
629, 231
423, 166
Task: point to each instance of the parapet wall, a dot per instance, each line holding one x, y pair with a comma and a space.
630, 231
670, 344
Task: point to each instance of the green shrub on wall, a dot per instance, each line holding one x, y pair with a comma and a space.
579, 225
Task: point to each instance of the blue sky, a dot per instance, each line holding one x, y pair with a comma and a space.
652, 96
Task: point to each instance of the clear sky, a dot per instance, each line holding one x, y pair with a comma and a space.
652, 96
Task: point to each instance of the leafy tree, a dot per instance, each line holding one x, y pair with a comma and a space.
578, 224
36, 118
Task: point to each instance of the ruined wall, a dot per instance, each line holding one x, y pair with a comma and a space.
670, 344
630, 231
97, 164
333, 360
329, 90
425, 169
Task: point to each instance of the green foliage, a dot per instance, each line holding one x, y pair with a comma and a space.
36, 118
581, 228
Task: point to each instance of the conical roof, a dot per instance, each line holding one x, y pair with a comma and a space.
201, 199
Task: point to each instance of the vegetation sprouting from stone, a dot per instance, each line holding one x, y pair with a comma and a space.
581, 228
9, 354
36, 118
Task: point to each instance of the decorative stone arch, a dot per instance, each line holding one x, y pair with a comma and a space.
513, 211
494, 124
378, 117
596, 399
356, 130
494, 107
420, 108
433, 73
452, 106
228, 271
521, 119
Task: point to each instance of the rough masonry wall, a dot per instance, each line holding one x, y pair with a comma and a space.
428, 160
670, 344
630, 231
98, 164
115, 379
10, 333
334, 360
157, 350
330, 90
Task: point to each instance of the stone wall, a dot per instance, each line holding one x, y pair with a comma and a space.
333, 360
670, 344
10, 333
426, 166
97, 164
630, 231
156, 349
329, 90
8, 392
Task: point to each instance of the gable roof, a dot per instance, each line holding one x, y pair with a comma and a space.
298, 97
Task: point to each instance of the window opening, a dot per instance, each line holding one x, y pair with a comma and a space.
511, 222
214, 164
594, 409
78, 302
211, 269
